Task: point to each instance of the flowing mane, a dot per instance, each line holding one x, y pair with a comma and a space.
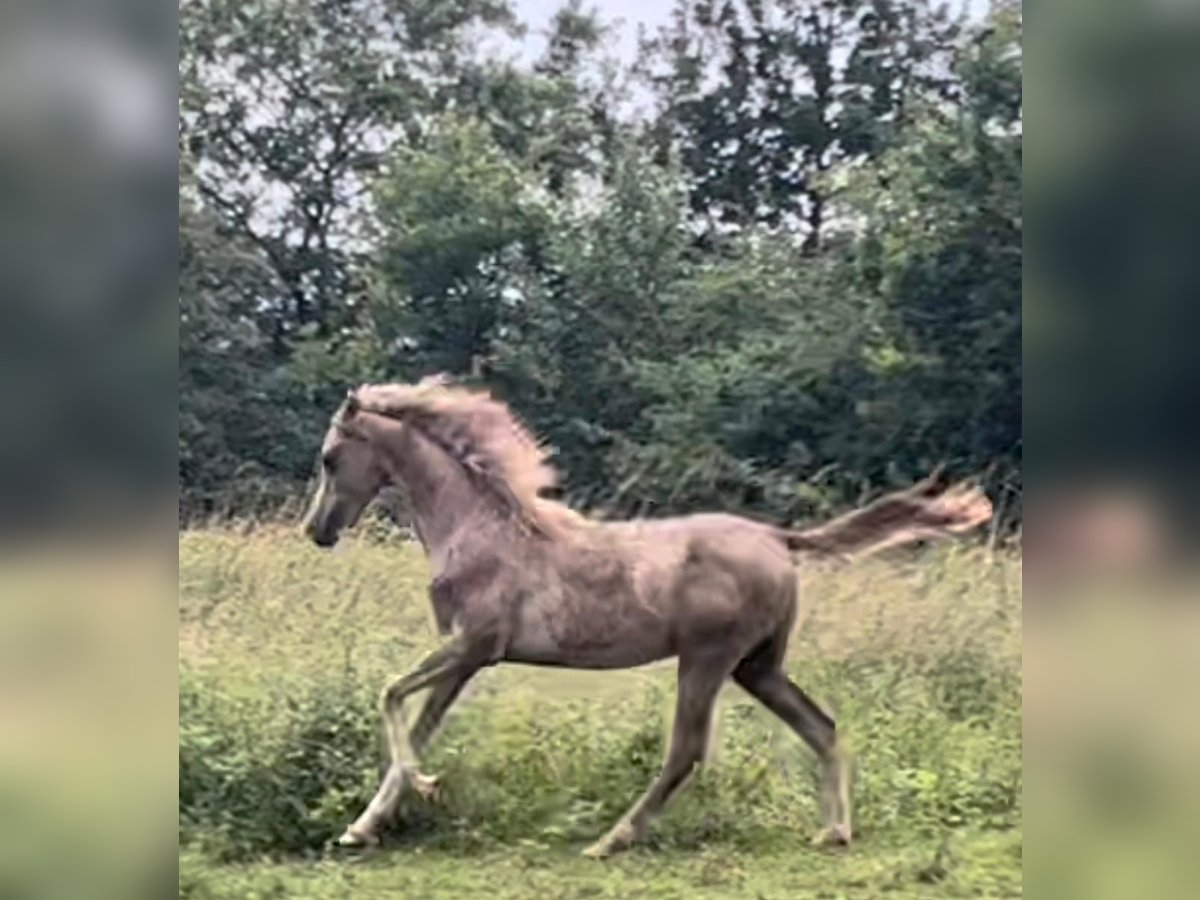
482, 435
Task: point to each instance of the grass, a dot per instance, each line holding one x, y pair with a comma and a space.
283, 649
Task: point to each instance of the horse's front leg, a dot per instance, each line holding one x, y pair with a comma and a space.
446, 670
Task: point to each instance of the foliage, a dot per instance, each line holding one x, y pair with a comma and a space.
740, 408
764, 99
230, 453
596, 305
943, 254
451, 214
282, 652
286, 106
795, 283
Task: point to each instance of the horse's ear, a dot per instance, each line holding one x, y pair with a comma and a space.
351, 401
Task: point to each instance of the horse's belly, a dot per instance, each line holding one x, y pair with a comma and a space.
589, 657
601, 641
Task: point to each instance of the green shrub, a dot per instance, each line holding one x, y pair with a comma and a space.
280, 744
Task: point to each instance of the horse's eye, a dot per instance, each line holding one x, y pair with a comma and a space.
328, 462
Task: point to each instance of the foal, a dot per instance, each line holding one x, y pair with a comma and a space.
521, 579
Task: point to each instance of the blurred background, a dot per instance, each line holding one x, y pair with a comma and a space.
88, 349
1111, 282
759, 256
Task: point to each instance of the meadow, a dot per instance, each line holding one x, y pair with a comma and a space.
283, 649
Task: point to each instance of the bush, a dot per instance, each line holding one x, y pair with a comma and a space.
280, 744
261, 775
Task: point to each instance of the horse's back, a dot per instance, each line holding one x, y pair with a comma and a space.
705, 553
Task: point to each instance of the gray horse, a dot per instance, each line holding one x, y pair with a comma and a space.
523, 579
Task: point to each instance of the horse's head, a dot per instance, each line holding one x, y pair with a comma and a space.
353, 471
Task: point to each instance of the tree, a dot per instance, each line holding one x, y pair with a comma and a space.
454, 213
559, 117
287, 104
798, 283
752, 403
236, 439
764, 101
943, 252
596, 303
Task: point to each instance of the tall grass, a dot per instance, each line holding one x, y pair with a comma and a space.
283, 649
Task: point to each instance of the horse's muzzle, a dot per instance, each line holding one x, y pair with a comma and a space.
322, 537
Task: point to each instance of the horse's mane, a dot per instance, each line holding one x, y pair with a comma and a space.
483, 436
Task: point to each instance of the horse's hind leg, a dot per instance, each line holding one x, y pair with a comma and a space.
761, 675
699, 682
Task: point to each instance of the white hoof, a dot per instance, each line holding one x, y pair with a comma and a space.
356, 840
833, 836
426, 786
622, 837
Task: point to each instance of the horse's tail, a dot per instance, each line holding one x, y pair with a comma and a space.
923, 512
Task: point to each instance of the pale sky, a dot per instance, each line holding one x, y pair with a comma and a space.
651, 13
623, 18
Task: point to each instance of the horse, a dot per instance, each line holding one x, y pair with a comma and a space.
524, 579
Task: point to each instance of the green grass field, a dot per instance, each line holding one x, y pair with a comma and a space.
283, 649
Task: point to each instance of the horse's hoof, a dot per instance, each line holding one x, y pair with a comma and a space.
620, 838
833, 836
599, 850
428, 787
357, 840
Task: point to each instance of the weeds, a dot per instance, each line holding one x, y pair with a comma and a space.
283, 650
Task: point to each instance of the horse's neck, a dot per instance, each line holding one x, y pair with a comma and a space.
439, 491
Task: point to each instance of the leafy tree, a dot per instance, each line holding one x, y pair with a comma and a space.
560, 116
943, 254
748, 408
798, 282
238, 444
765, 100
596, 304
287, 104
453, 212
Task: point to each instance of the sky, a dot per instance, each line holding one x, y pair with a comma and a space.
537, 14
651, 13
623, 17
